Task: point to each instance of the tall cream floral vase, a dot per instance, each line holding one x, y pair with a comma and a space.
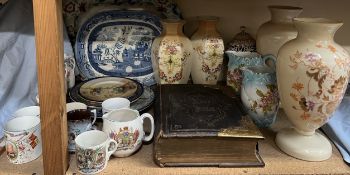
172, 54
209, 50
312, 75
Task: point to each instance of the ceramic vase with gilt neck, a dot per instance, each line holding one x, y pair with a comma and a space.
209, 50
172, 54
280, 29
312, 75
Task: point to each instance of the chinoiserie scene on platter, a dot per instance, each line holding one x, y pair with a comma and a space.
141, 72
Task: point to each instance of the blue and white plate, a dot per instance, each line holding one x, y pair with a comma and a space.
117, 43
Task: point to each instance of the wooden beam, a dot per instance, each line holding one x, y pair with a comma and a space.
49, 56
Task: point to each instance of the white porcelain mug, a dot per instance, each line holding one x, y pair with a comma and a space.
93, 149
79, 121
28, 111
23, 139
126, 127
114, 103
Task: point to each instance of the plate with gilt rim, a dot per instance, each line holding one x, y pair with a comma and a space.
93, 92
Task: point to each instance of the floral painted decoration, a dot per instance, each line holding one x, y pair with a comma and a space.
259, 94
211, 56
268, 101
236, 62
234, 79
173, 61
321, 94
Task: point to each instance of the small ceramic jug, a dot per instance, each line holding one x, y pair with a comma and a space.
259, 94
243, 59
126, 127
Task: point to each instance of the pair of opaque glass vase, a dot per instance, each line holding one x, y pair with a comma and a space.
175, 57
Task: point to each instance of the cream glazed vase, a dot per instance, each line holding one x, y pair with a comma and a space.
280, 29
172, 54
312, 75
209, 51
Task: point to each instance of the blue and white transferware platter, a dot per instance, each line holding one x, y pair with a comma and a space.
117, 43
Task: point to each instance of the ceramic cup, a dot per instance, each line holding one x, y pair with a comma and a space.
79, 121
126, 127
23, 139
28, 111
93, 149
114, 103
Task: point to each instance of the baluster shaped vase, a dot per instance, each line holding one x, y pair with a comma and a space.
312, 75
209, 50
172, 54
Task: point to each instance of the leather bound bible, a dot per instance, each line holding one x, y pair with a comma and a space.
199, 125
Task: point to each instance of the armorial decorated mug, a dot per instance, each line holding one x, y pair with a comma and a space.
93, 149
23, 139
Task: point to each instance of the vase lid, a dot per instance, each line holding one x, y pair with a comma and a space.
242, 42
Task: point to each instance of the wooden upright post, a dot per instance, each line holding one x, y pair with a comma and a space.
49, 56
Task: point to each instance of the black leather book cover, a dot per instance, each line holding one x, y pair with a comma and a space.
189, 110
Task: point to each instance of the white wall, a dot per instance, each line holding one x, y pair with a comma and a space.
252, 13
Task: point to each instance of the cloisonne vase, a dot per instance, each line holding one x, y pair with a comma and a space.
209, 51
280, 29
312, 75
172, 54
